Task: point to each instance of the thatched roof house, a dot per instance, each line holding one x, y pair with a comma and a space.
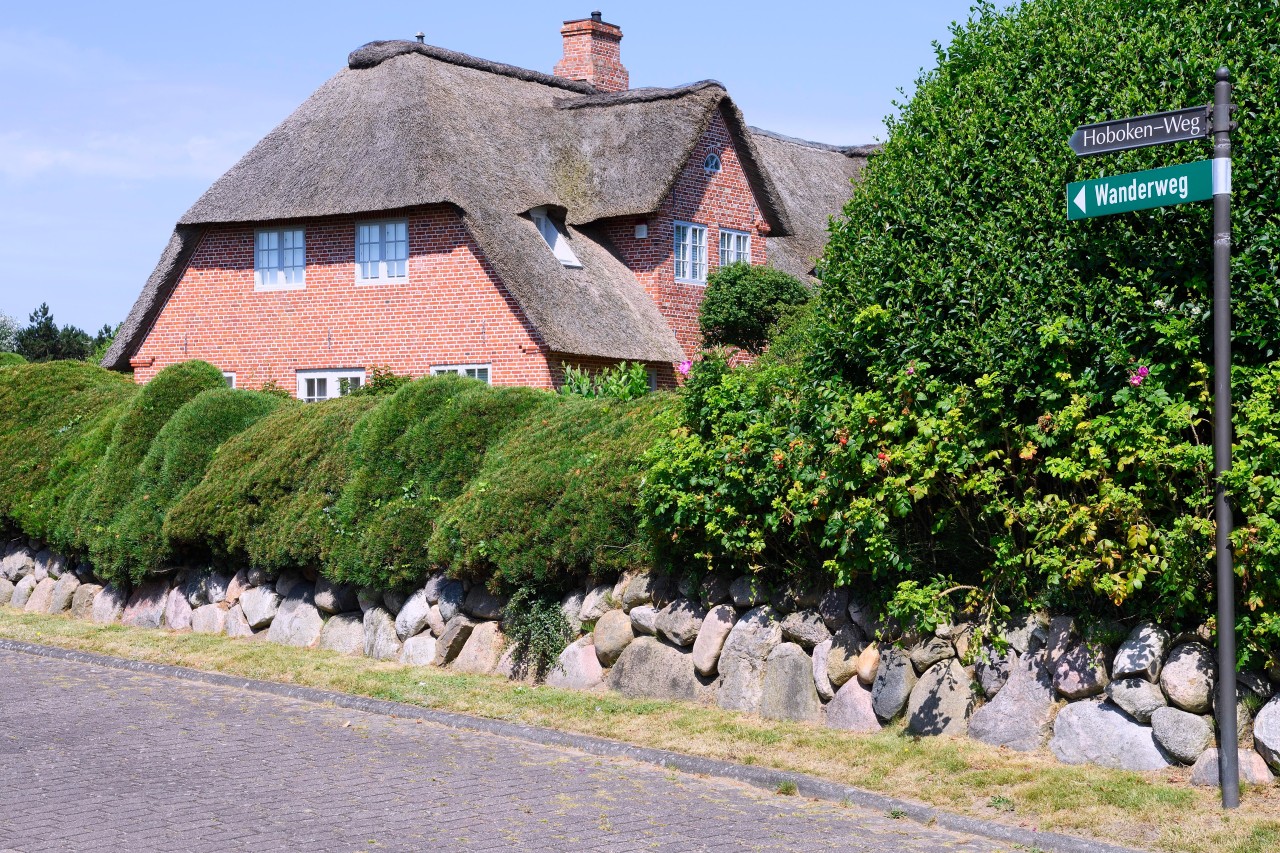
516, 157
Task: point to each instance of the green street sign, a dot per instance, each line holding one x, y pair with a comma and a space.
1140, 190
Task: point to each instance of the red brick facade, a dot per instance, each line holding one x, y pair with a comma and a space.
451, 309
717, 200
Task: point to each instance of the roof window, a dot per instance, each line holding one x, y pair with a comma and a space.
555, 238
711, 164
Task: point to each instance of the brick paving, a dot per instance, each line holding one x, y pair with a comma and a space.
97, 759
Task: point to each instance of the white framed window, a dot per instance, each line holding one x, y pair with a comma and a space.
555, 238
382, 251
711, 163
317, 385
279, 259
229, 378
691, 252
735, 246
471, 371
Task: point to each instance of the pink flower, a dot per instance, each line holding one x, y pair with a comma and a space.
911, 371
1136, 378
684, 367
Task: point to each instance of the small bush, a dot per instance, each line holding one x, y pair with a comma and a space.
117, 474
625, 381
11, 359
174, 464
556, 499
743, 302
268, 496
413, 453
51, 415
537, 630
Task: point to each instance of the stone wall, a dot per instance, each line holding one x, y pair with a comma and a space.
791, 655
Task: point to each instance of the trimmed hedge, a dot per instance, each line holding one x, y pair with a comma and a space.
515, 488
10, 359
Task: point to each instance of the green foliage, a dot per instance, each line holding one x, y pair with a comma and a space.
555, 500
174, 464
537, 629
43, 340
55, 421
10, 359
379, 381
624, 381
117, 474
997, 400
743, 302
414, 453
268, 495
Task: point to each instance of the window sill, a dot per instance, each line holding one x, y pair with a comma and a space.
269, 288
374, 282
702, 283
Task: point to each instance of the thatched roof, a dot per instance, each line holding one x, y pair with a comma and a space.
813, 181
408, 124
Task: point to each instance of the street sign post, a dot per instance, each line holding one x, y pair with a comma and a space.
1122, 134
1140, 190
1177, 185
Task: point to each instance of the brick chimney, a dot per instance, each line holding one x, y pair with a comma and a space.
592, 54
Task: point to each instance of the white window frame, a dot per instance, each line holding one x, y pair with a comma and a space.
279, 277
712, 164
382, 276
689, 253
555, 238
229, 377
471, 371
737, 245
332, 379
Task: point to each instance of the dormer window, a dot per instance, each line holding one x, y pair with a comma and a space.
711, 164
555, 238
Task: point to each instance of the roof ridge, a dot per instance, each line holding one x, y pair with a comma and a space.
846, 150
637, 96
375, 53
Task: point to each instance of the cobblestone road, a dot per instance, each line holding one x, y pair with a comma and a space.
97, 759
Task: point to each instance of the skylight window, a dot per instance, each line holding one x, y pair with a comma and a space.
555, 238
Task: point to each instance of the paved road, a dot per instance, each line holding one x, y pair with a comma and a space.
98, 759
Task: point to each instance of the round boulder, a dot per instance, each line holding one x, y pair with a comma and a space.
613, 633
680, 621
789, 692
711, 637
1183, 735
942, 701
1188, 677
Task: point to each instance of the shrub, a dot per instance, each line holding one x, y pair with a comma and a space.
624, 381
743, 302
537, 630
52, 415
11, 359
268, 495
554, 501
174, 464
998, 404
116, 477
412, 454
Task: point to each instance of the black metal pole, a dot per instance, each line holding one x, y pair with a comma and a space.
1228, 745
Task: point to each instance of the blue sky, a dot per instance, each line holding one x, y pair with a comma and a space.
118, 115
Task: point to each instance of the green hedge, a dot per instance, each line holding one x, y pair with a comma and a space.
515, 488
998, 403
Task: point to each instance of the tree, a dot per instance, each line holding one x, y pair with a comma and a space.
42, 340
8, 333
743, 302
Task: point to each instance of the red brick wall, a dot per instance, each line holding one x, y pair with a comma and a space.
452, 310
723, 199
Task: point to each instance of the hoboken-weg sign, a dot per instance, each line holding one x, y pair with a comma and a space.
1107, 137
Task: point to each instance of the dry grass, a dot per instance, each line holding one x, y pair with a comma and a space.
1153, 810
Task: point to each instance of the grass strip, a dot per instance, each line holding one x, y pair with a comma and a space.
1158, 810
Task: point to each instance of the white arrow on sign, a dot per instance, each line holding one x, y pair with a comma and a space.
1079, 200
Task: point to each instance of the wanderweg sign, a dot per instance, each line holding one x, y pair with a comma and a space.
1140, 190
1107, 137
